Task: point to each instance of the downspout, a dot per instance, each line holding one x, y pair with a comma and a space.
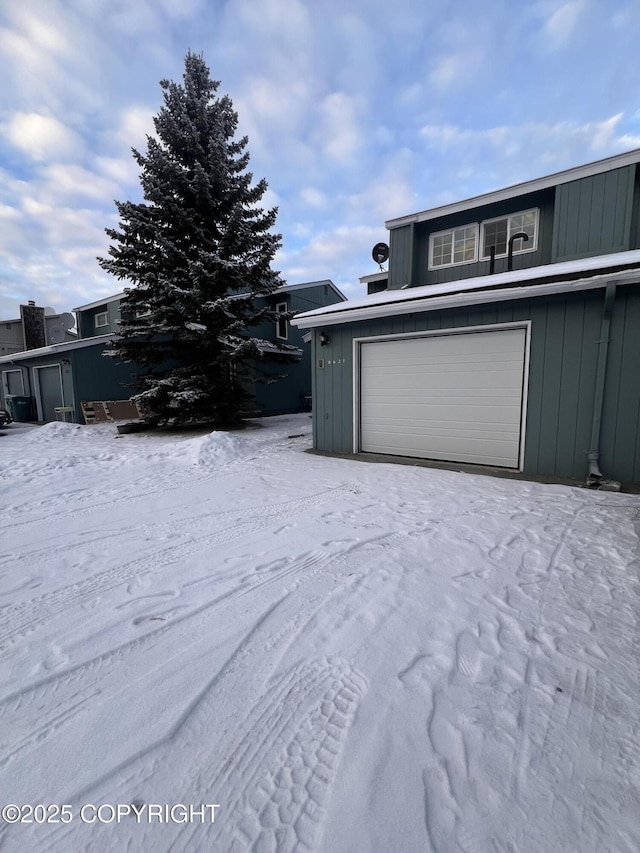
595, 478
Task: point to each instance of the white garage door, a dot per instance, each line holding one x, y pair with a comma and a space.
455, 397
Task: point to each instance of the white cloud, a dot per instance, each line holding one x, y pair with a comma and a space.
530, 140
561, 24
341, 135
449, 69
123, 170
134, 125
313, 197
339, 253
42, 137
64, 181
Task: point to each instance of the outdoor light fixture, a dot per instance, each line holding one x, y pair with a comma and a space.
324, 339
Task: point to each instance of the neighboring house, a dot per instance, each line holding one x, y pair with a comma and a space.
62, 376
483, 347
291, 394
66, 374
35, 327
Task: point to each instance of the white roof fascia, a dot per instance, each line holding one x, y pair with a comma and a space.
410, 295
58, 349
456, 300
374, 276
100, 302
564, 177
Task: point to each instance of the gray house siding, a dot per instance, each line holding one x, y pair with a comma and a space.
593, 215
565, 331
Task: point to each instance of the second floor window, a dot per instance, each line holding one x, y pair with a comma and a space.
456, 246
101, 319
497, 232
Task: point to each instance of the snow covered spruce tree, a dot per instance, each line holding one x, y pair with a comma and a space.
199, 251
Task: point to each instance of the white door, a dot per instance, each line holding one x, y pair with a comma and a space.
454, 397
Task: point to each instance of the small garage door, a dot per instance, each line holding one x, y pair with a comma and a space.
455, 397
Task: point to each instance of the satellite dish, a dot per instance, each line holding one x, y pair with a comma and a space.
56, 335
49, 312
67, 321
380, 253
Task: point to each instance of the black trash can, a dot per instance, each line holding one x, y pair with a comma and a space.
20, 408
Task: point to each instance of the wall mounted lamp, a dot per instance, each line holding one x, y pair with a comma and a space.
324, 339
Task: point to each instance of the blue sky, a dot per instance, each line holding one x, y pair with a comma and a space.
357, 111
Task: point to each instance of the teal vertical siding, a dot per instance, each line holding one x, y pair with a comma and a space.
620, 446
401, 257
565, 335
593, 215
99, 378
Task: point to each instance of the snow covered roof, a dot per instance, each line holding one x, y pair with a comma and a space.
557, 178
534, 281
57, 349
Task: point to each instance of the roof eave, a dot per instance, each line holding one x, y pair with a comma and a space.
595, 168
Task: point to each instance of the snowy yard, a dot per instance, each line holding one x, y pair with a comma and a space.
346, 657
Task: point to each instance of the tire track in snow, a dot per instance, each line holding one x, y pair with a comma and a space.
23, 618
275, 763
83, 687
78, 689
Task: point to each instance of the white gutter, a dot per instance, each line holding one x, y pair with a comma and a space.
436, 303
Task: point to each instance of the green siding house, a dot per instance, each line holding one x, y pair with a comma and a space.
58, 378
505, 334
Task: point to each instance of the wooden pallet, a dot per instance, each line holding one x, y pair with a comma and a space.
108, 411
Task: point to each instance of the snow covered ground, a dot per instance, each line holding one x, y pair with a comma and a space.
345, 657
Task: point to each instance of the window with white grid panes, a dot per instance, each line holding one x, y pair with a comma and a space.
498, 232
455, 246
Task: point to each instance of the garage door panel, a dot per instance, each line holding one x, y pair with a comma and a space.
501, 422
477, 450
454, 397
